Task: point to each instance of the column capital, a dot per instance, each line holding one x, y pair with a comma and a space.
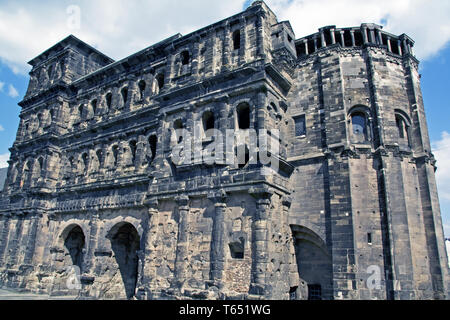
261, 192
218, 196
182, 201
286, 201
152, 203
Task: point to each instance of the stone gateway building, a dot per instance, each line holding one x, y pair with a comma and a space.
95, 205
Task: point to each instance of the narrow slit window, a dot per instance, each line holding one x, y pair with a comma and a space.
369, 238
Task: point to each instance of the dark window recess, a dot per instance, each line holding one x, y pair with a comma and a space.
236, 40
94, 105
152, 142
142, 86
243, 113
115, 151
208, 121
237, 249
293, 293
314, 292
160, 79
133, 147
108, 99
85, 161
100, 156
178, 124
185, 57
401, 126
300, 126
124, 93
369, 238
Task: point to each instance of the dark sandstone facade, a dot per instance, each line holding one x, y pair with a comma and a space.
91, 182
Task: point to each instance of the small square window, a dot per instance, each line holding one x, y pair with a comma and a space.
300, 126
314, 292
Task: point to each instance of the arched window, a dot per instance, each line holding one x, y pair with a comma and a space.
133, 150
359, 126
178, 124
94, 106
115, 151
85, 159
25, 174
99, 154
208, 121
236, 40
243, 116
152, 142
124, 93
80, 111
160, 79
402, 129
108, 100
185, 57
142, 86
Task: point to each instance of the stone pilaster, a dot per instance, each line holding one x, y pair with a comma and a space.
89, 259
180, 271
148, 276
218, 240
260, 241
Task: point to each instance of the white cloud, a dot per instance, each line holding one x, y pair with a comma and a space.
117, 28
426, 21
120, 28
441, 150
2, 84
4, 160
12, 92
1, 128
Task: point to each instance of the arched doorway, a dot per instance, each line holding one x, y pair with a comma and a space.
74, 243
313, 263
125, 242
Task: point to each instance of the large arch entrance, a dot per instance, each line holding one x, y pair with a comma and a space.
314, 265
125, 242
74, 242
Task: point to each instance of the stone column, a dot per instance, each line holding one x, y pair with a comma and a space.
364, 34
333, 36
218, 240
148, 276
182, 243
31, 241
342, 38
195, 56
260, 241
315, 43
242, 49
306, 46
380, 37
226, 48
322, 39
399, 47
89, 259
4, 236
352, 34
389, 44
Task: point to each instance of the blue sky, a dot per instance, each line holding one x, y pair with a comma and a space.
120, 28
